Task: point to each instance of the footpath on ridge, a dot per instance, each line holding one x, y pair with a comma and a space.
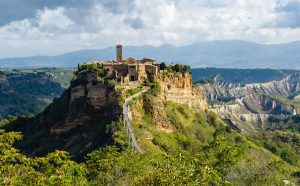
128, 127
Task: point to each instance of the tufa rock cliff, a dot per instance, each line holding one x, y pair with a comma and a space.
90, 100
177, 87
79, 121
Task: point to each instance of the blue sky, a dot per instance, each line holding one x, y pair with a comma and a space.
39, 27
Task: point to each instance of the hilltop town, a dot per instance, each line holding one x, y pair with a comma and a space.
131, 69
104, 84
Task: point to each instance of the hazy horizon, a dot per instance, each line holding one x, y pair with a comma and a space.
57, 27
155, 46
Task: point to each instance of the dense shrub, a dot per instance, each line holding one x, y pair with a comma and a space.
155, 88
163, 66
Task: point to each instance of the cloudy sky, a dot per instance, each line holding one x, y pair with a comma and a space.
49, 27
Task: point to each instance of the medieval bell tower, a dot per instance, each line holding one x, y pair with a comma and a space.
119, 53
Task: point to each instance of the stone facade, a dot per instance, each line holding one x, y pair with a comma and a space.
130, 69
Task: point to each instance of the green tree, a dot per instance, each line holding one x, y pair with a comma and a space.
163, 66
186, 68
178, 68
54, 169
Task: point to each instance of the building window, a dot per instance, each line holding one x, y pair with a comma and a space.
132, 78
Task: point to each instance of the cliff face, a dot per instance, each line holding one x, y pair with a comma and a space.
89, 101
84, 117
79, 121
179, 89
175, 87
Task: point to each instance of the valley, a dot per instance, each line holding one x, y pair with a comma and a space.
218, 132
28, 91
256, 106
149, 93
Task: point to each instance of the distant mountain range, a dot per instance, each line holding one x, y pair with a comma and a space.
222, 54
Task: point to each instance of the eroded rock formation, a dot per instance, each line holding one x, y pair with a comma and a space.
178, 88
224, 91
90, 101
257, 106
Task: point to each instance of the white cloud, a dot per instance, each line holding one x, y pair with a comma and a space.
53, 19
141, 22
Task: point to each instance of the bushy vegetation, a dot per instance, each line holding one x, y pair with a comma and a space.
198, 134
92, 68
175, 68
132, 91
162, 66
54, 169
7, 120
113, 166
101, 76
205, 80
155, 88
285, 145
199, 150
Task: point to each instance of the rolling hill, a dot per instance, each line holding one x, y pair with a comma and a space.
222, 54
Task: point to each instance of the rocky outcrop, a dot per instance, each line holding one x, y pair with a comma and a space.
175, 87
264, 104
178, 87
89, 101
253, 107
297, 98
156, 109
252, 113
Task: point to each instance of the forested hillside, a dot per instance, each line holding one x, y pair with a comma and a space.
28, 92
242, 76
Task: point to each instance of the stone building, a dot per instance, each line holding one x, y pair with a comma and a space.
130, 70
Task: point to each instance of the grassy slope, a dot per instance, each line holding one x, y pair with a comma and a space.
197, 149
193, 131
